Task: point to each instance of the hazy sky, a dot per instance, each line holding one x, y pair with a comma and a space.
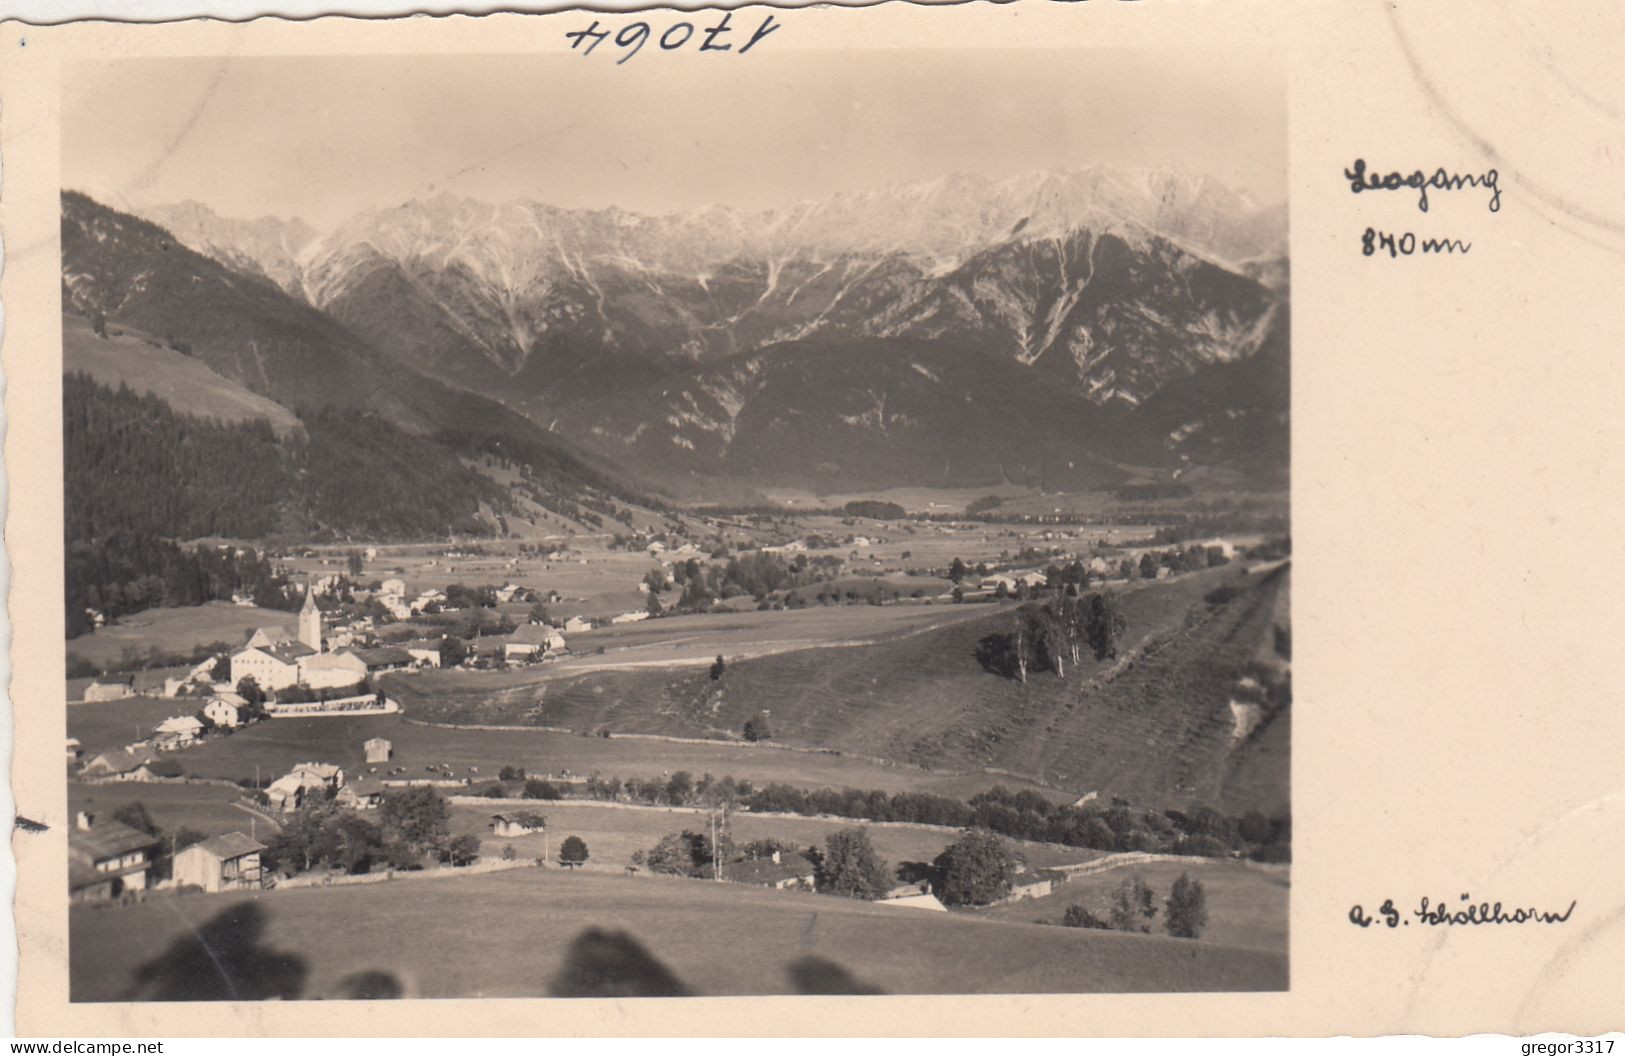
324, 138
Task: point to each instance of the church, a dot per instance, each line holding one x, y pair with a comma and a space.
275, 661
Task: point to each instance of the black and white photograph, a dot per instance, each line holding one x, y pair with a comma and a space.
654, 525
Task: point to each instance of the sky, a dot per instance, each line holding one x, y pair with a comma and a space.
324, 138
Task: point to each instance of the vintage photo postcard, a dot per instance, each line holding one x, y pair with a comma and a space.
801, 508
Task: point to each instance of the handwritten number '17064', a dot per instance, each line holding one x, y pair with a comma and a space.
631, 37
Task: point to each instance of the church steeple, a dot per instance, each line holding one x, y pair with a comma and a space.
310, 622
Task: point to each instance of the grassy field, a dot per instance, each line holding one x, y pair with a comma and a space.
276, 745
178, 630
206, 808
1156, 725
1246, 905
509, 935
612, 834
185, 383
115, 723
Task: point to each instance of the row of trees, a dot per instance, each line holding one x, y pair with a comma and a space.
976, 869
1025, 814
1134, 908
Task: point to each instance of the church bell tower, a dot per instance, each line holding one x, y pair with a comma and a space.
310, 622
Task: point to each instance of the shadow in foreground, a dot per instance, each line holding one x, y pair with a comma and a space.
368, 986
221, 961
613, 964
815, 975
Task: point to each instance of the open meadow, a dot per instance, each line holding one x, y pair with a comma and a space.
509, 934
175, 631
1158, 723
278, 744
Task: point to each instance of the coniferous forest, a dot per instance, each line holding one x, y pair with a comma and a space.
140, 480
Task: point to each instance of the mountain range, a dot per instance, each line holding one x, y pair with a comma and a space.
1049, 328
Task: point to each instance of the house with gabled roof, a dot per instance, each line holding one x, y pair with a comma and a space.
518, 823
107, 859
229, 862
119, 765
782, 872
181, 731
532, 641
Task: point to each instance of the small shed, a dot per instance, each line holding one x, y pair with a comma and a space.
522, 823
378, 749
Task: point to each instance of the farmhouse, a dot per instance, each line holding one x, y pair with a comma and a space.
97, 692
230, 862
289, 792
521, 824
223, 713
119, 765
577, 624
531, 641
183, 731
75, 750
378, 750
364, 793
780, 872
106, 859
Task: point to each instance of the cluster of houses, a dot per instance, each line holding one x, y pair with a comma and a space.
110, 861
276, 660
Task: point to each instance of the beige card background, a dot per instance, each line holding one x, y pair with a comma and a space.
1457, 467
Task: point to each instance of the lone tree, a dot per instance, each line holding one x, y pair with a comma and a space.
851, 867
452, 651
463, 850
976, 869
249, 689
1104, 623
957, 571
1135, 900
718, 668
757, 729
1186, 908
417, 817
572, 852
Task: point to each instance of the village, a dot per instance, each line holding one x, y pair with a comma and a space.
307, 755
